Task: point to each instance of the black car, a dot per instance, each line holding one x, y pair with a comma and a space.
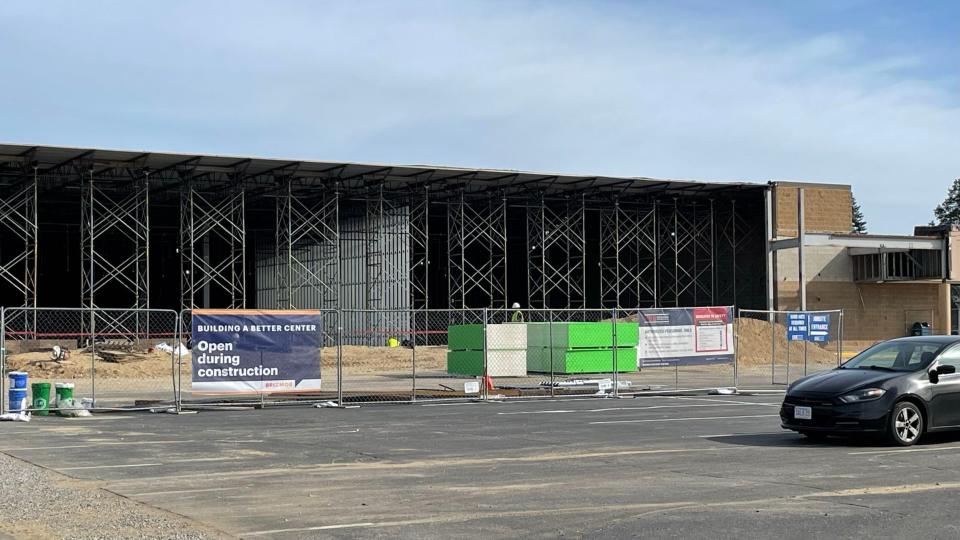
900, 388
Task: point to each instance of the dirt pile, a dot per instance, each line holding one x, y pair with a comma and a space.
756, 347
77, 364
359, 359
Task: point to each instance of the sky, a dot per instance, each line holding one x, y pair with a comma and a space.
865, 93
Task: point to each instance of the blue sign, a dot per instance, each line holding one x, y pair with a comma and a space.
820, 327
252, 351
805, 326
798, 327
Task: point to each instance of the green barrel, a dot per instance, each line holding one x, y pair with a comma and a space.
64, 391
41, 398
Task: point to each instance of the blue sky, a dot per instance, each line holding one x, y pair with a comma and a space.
845, 91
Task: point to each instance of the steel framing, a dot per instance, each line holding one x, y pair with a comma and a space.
18, 219
211, 218
556, 245
477, 251
307, 225
420, 237
628, 255
115, 214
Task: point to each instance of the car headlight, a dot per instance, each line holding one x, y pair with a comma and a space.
867, 394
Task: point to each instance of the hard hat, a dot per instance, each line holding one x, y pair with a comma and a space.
516, 305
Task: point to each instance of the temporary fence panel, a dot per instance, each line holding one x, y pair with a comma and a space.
687, 348
542, 353
114, 358
778, 347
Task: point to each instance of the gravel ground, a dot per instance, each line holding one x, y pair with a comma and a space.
37, 503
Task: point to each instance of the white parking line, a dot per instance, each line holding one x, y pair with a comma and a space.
608, 409
684, 419
306, 529
131, 465
904, 450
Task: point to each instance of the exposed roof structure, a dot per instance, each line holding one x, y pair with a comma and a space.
54, 161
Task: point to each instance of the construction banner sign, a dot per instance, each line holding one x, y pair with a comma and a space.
254, 351
685, 336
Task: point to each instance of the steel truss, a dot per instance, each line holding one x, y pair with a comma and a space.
477, 251
556, 243
18, 219
115, 249
209, 220
307, 246
628, 256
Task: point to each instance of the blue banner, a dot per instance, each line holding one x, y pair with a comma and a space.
251, 351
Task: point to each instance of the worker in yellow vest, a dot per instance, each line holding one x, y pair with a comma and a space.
517, 315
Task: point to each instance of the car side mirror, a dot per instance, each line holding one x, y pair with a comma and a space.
941, 370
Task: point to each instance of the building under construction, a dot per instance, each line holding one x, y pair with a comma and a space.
122, 229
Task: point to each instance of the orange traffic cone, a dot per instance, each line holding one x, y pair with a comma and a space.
488, 381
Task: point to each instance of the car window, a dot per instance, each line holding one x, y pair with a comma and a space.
950, 357
897, 355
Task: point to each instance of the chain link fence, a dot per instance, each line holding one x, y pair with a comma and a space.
779, 347
140, 358
113, 358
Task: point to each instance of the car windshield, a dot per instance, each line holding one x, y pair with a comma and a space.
896, 356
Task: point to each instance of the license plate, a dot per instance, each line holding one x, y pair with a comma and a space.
803, 413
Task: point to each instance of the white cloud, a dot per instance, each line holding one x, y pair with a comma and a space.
597, 88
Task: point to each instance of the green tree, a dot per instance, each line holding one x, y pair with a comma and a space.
859, 222
948, 212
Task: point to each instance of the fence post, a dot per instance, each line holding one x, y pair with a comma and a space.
486, 392
176, 357
616, 363
736, 349
550, 352
840, 341
773, 348
93, 356
3, 358
339, 358
413, 353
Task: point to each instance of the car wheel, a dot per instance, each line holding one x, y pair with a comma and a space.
906, 424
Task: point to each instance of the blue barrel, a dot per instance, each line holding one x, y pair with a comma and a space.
18, 380
18, 399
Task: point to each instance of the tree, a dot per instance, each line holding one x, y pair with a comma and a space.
948, 212
859, 222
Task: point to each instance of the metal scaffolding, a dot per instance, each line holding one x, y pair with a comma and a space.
477, 252
694, 247
307, 246
212, 221
628, 255
18, 219
115, 241
556, 244
419, 235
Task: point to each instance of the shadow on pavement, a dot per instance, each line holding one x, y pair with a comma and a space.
795, 440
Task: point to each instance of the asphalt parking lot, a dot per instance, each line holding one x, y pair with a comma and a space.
664, 467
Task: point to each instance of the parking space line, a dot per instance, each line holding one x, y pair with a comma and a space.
684, 419
904, 451
126, 466
609, 409
92, 445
